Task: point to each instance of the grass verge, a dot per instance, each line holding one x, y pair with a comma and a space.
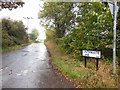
8, 49
78, 75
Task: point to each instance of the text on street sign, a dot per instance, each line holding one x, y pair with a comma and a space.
89, 53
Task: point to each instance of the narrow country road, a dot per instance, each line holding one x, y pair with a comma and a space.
29, 68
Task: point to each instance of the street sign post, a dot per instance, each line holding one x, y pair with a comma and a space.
89, 53
114, 9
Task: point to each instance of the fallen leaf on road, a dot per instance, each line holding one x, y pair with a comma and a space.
10, 72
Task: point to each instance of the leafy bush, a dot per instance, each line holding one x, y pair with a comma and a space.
6, 43
13, 33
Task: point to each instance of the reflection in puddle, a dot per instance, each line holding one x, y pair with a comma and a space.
22, 73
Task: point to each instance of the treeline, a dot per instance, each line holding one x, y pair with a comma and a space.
13, 33
78, 26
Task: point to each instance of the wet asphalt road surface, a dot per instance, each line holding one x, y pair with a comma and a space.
29, 68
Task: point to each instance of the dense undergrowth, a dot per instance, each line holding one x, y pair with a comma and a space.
81, 26
75, 47
71, 65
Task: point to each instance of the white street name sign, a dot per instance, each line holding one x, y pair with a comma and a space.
89, 53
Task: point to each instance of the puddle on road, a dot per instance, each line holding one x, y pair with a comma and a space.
22, 73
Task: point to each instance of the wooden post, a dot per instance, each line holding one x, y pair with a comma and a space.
97, 64
85, 61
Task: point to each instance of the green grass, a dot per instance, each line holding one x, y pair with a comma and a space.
72, 71
75, 71
13, 47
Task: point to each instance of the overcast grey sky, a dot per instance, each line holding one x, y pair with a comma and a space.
30, 9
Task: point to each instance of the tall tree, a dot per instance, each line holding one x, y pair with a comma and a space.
57, 15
